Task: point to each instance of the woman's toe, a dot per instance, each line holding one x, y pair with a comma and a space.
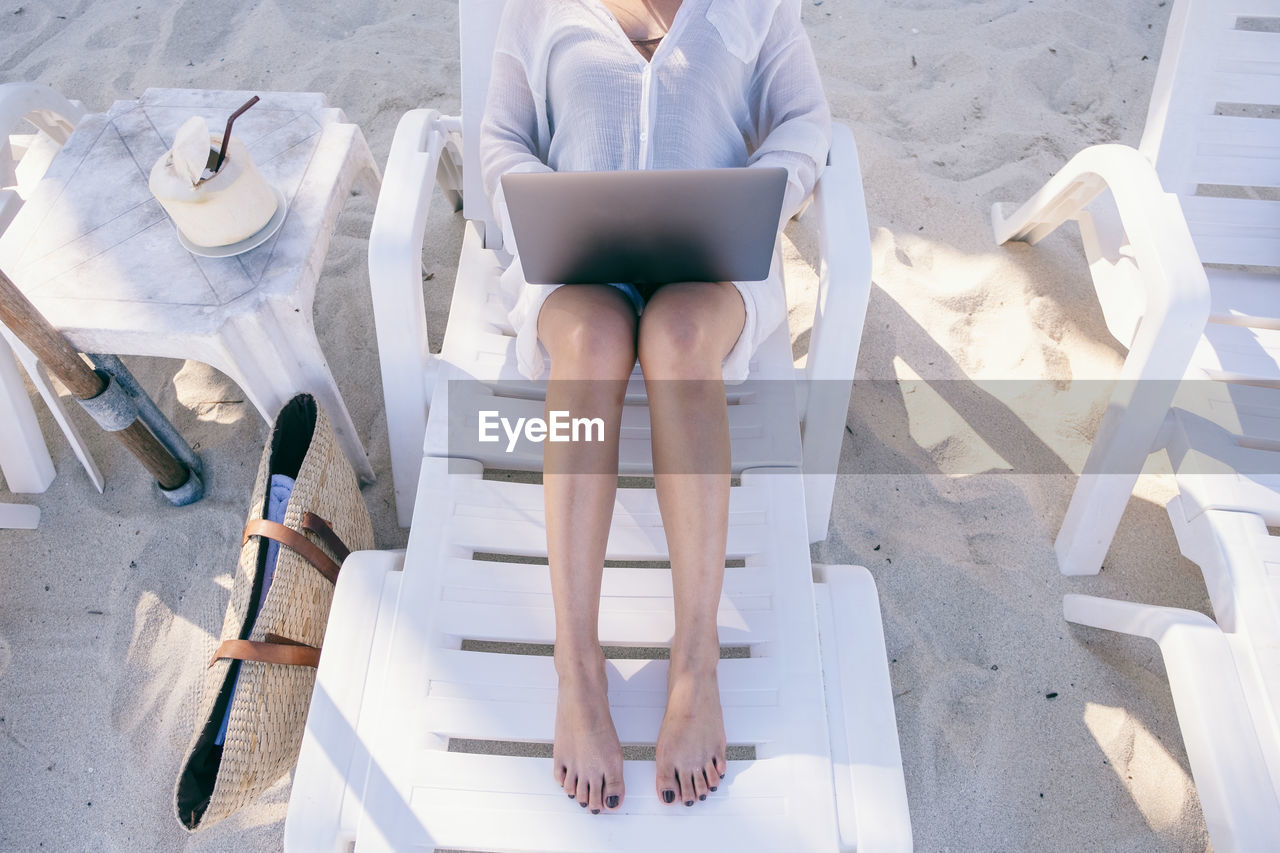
712, 775
700, 786
613, 791
668, 788
595, 795
571, 783
584, 791
688, 792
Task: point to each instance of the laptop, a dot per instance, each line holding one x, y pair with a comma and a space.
652, 226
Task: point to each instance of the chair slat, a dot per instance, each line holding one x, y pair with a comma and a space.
1234, 231
617, 581
1245, 410
515, 718
1234, 168
1249, 52
1248, 134
488, 696
504, 517
457, 795
624, 626
1215, 471
1239, 354
631, 680
1240, 83
1241, 298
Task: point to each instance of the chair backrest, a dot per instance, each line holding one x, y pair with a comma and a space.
478, 32
1214, 118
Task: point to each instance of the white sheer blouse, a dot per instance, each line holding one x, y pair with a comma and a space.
733, 83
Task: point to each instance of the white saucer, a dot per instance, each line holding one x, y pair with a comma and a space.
253, 241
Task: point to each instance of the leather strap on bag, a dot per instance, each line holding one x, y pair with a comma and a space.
294, 541
276, 649
321, 528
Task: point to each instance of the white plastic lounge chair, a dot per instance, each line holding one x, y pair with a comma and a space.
1182, 245
411, 682
1183, 240
24, 156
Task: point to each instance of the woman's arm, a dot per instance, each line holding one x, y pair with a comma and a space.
789, 111
509, 129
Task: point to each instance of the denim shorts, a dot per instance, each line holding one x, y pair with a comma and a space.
632, 292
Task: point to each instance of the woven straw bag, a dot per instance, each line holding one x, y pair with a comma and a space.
276, 660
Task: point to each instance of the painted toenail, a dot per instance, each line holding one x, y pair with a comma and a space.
584, 805
612, 802
668, 796
688, 802
595, 811
702, 796
713, 787
572, 796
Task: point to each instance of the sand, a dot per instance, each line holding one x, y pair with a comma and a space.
1018, 731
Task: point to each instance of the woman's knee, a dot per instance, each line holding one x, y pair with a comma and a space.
591, 344
675, 345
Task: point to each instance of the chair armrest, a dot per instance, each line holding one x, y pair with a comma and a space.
1144, 227
395, 281
51, 113
839, 212
1173, 279
333, 760
40, 105
871, 794
1218, 727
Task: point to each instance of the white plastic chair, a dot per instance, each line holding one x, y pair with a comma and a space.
23, 160
403, 692
1183, 241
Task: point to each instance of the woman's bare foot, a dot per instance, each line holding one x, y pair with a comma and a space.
587, 758
691, 742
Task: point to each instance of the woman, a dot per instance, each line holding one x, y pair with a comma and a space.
646, 84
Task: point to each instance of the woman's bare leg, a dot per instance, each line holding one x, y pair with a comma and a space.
685, 333
590, 332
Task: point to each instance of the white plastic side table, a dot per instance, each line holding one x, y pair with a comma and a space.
98, 256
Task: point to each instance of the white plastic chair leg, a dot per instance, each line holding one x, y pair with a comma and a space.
1135, 414
1236, 792
40, 378
24, 459
19, 517
1162, 347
